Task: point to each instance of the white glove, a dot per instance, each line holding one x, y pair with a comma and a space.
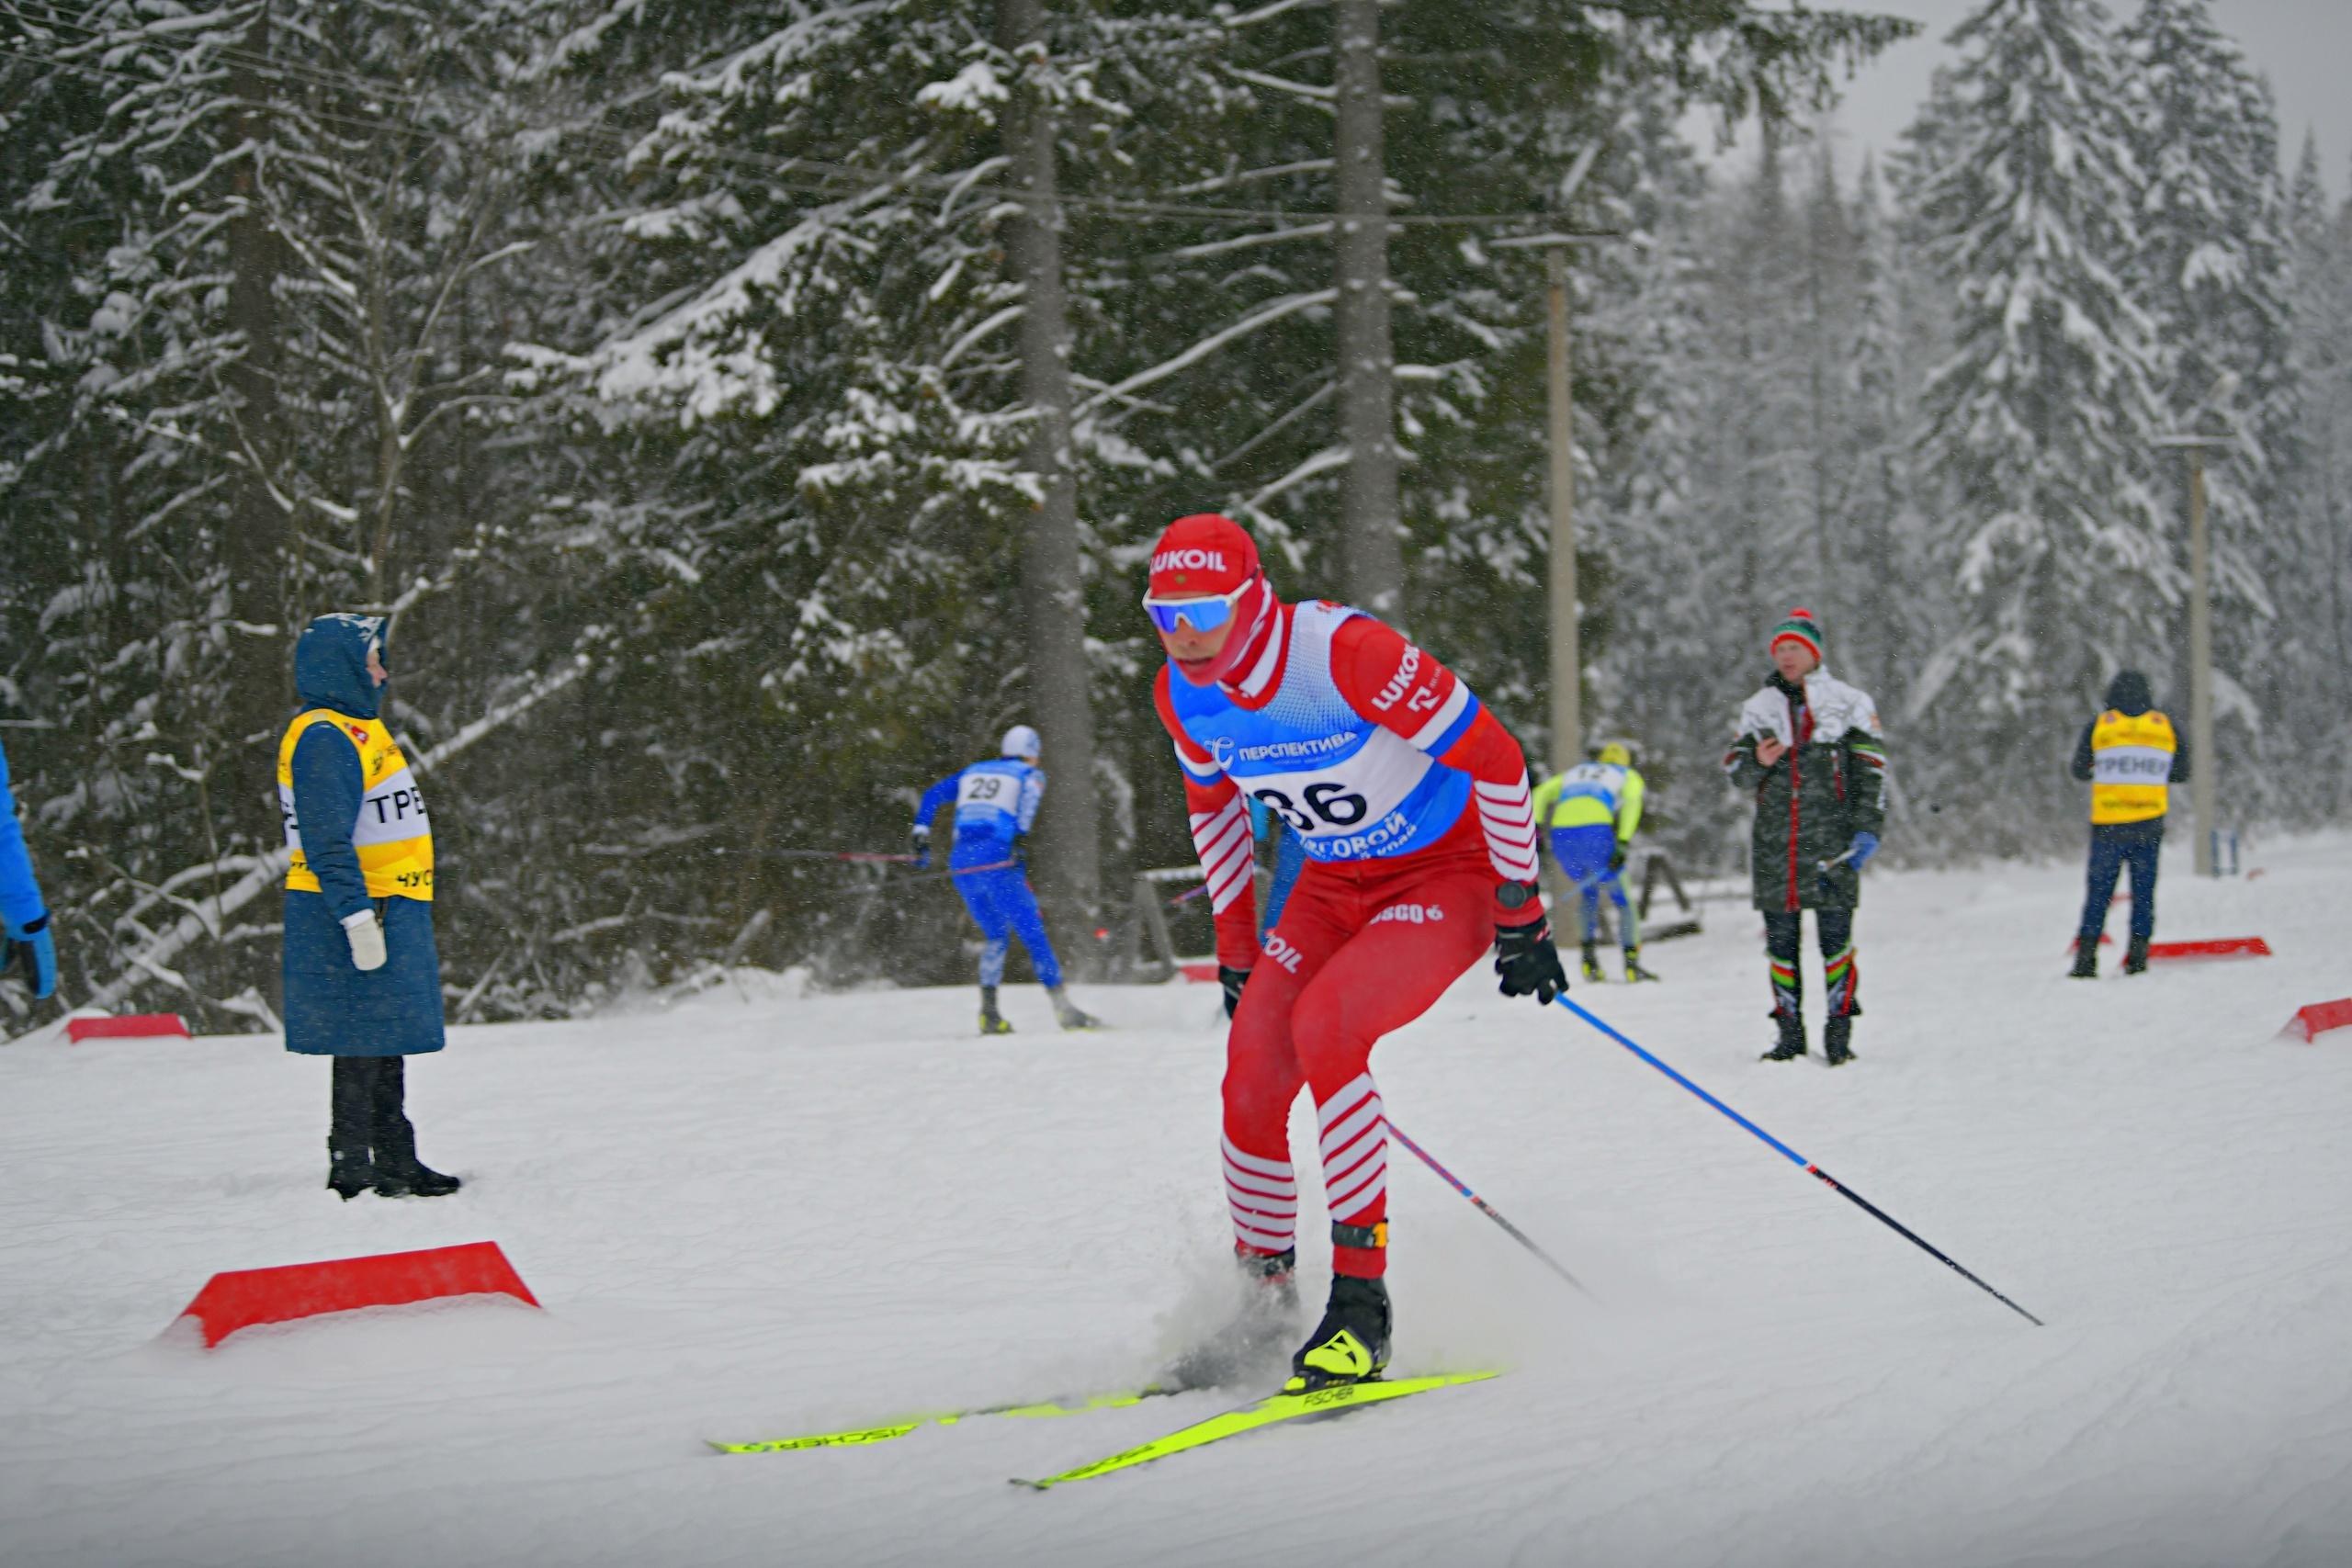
367, 934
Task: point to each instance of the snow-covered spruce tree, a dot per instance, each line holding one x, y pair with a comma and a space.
2211, 267
2314, 529
828, 281
261, 216
1893, 613
2037, 428
1490, 112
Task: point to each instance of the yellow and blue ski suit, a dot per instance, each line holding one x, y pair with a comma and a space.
1589, 815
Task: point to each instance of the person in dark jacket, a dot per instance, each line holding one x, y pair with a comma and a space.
363, 979
1808, 747
24, 918
2128, 754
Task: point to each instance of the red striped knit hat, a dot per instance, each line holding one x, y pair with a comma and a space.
1800, 626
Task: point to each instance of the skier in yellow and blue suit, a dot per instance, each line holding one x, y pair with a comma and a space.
1589, 815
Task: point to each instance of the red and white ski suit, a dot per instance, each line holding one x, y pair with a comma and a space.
1371, 937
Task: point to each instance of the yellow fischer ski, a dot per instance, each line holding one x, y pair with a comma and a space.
883, 1433
1261, 1413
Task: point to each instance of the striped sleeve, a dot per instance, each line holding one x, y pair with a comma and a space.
1221, 836
1404, 690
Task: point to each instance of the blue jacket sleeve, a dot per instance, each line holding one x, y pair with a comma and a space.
939, 795
19, 894
328, 788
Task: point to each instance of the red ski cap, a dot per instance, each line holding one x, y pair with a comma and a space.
1202, 557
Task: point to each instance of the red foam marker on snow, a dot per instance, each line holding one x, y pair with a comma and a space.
244, 1297
1205, 972
137, 1025
2220, 947
2318, 1019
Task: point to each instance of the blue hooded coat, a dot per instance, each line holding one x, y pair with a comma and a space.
334, 1009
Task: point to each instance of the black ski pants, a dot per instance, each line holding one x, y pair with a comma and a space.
371, 1098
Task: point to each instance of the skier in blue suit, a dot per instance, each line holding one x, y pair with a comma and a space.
996, 802
24, 918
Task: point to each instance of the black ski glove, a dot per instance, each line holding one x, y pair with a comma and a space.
922, 847
1232, 980
1617, 858
1528, 962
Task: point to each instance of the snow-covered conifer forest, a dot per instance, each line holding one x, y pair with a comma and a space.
748, 410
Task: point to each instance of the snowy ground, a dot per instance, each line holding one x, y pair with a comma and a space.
757, 1214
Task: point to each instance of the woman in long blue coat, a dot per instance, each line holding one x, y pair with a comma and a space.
363, 979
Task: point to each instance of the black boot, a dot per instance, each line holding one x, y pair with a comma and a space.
350, 1169
399, 1173
991, 1020
1790, 1045
1836, 1039
1250, 1343
1350, 1344
2086, 960
1592, 970
2135, 957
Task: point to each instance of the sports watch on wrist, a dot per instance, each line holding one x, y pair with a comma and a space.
1515, 895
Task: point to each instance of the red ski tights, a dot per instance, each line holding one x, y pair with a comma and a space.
1361, 950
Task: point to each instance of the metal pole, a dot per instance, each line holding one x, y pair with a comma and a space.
2201, 665
1567, 721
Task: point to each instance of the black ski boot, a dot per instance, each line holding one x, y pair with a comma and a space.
991, 1020
1633, 970
1350, 1344
1790, 1045
399, 1173
1250, 1344
1592, 970
2086, 960
1836, 1039
2135, 957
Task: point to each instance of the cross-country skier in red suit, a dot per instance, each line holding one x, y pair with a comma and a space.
1412, 803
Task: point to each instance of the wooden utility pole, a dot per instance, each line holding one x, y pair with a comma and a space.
1053, 585
1568, 625
1567, 659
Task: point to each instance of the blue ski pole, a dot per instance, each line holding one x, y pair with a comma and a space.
1800, 1162
1487, 1209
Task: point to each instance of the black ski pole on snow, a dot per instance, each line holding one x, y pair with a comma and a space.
1487, 1209
1800, 1162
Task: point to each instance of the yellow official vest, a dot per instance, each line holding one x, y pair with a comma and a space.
392, 835
2131, 761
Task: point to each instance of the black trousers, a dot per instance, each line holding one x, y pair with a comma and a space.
369, 1107
1783, 943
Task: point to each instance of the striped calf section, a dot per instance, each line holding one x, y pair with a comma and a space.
1507, 814
1262, 1195
1839, 970
1355, 1153
1222, 839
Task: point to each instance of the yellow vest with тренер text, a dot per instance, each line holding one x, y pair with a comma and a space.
2131, 765
392, 836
